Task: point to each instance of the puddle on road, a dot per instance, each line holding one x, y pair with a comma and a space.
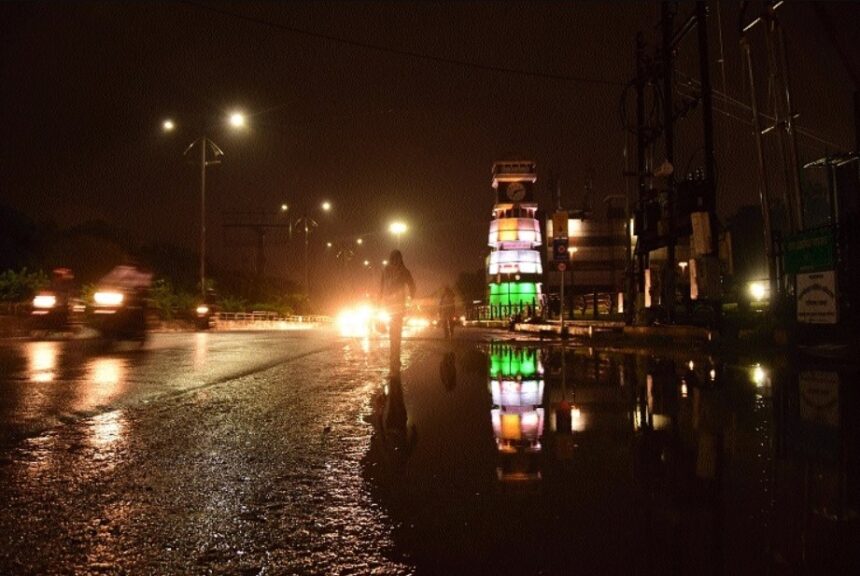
546, 459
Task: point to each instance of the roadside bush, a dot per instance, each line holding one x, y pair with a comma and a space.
21, 286
170, 303
232, 304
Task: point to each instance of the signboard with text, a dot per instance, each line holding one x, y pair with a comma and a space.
809, 251
816, 298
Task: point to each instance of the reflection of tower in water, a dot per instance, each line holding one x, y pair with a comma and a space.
517, 386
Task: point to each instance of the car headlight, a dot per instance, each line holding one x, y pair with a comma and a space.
202, 309
108, 298
44, 301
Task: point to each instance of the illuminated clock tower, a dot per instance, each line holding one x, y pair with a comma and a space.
514, 266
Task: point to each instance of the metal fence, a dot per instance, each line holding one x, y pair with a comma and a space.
272, 317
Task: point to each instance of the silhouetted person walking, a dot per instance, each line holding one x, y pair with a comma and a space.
446, 311
396, 281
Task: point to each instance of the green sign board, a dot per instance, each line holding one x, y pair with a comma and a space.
809, 251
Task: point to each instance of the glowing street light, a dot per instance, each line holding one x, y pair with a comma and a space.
398, 229
168, 125
309, 223
237, 120
284, 207
359, 241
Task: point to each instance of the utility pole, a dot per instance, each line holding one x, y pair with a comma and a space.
668, 19
764, 192
708, 130
641, 178
204, 142
203, 217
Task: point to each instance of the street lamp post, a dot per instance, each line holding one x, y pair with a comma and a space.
204, 142
236, 121
307, 223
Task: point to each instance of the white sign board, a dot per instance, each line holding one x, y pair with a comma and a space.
816, 298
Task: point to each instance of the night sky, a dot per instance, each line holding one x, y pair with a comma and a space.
386, 109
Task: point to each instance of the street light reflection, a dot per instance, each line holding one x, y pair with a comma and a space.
201, 348
106, 429
105, 376
43, 360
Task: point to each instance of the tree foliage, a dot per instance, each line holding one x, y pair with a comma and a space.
21, 286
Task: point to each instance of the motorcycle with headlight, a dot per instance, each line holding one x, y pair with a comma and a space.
118, 310
55, 310
48, 313
119, 314
204, 316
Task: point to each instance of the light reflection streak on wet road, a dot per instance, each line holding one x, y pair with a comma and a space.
44, 383
506, 457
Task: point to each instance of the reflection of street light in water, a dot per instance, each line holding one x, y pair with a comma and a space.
104, 376
106, 429
201, 348
43, 360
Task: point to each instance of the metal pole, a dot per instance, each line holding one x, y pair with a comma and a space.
668, 18
628, 259
307, 273
203, 216
562, 302
779, 118
641, 259
764, 193
789, 126
708, 130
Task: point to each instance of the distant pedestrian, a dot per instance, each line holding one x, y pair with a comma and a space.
396, 283
446, 311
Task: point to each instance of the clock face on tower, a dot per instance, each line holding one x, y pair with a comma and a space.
515, 191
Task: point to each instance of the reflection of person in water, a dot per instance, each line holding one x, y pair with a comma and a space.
392, 433
448, 371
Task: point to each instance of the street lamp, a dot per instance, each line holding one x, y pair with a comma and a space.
307, 223
237, 121
398, 229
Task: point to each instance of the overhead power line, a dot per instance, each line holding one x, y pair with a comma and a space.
404, 53
694, 85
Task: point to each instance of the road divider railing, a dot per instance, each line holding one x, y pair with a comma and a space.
268, 321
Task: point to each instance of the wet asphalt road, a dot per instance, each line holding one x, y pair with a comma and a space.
293, 453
